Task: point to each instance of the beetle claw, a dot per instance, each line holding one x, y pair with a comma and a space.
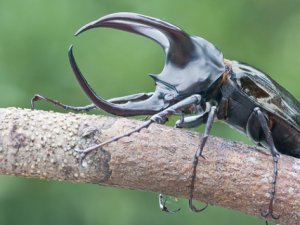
194, 209
163, 207
270, 213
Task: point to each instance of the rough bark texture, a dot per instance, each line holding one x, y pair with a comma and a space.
233, 175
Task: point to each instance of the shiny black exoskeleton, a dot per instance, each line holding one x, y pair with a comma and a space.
200, 85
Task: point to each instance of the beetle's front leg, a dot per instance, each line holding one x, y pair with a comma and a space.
38, 97
118, 100
160, 118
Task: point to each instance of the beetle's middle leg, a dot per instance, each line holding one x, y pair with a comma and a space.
161, 118
208, 126
195, 120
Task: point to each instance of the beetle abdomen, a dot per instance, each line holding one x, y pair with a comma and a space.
286, 138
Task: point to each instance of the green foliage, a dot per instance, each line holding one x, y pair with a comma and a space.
34, 38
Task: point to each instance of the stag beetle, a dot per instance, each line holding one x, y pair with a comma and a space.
201, 86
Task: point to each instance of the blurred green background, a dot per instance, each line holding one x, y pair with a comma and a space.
34, 38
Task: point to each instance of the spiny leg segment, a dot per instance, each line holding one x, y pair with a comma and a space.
264, 125
37, 97
160, 118
198, 153
124, 99
163, 205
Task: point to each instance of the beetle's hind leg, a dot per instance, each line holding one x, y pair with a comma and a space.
269, 139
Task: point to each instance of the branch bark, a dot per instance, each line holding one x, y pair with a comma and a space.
41, 144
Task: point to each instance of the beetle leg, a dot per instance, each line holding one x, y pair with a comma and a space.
162, 204
160, 118
131, 98
118, 100
193, 121
208, 126
264, 125
37, 97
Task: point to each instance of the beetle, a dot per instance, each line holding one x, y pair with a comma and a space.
201, 86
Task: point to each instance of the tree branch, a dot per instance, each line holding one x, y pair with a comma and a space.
233, 175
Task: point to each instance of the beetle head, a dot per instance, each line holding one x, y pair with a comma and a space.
192, 64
